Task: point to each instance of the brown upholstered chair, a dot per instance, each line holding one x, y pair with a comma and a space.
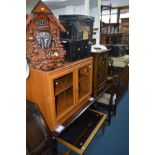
39, 140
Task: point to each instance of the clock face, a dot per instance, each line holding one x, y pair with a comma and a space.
44, 39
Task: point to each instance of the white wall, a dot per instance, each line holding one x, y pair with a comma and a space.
116, 3
79, 9
94, 13
28, 10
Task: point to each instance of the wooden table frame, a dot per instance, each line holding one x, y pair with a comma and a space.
91, 136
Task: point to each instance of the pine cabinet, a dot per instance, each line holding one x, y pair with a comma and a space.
61, 92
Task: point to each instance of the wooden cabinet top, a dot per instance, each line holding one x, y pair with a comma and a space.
100, 51
65, 66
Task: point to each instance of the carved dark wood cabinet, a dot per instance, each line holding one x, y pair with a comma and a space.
100, 71
123, 79
120, 79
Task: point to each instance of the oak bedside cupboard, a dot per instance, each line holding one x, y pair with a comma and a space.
100, 71
61, 92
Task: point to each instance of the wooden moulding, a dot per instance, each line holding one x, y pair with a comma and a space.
81, 150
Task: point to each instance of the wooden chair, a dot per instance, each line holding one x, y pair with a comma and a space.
108, 101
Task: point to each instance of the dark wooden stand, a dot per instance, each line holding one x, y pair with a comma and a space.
120, 80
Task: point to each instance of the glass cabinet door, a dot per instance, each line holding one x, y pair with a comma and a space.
63, 92
84, 81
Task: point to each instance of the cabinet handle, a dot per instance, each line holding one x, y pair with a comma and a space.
56, 83
89, 66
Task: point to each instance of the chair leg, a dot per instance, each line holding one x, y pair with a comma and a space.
54, 146
109, 115
115, 110
103, 127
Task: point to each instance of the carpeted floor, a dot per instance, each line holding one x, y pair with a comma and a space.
115, 140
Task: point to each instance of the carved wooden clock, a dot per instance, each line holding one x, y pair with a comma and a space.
43, 47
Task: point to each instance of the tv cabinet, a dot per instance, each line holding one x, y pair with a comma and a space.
61, 92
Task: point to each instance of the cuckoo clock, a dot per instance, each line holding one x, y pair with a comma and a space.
43, 46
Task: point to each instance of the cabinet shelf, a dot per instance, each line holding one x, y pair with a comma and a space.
59, 90
64, 102
63, 83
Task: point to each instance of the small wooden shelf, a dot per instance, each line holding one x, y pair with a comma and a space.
64, 102
63, 83
62, 89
